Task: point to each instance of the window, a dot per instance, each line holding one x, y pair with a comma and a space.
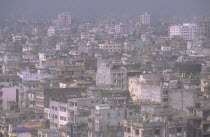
148, 133
165, 92
125, 129
56, 108
63, 109
172, 130
130, 113
165, 99
40, 117
63, 118
53, 107
157, 132
129, 130
179, 129
137, 132
55, 116
108, 115
56, 125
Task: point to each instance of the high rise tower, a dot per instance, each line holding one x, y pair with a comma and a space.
64, 19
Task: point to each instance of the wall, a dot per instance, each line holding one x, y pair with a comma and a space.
9, 94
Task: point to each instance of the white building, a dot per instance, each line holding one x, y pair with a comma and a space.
58, 114
175, 30
146, 19
187, 31
111, 47
122, 29
43, 57
165, 48
9, 95
146, 88
85, 35
17, 38
27, 76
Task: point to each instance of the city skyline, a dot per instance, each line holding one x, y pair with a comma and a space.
99, 7
104, 68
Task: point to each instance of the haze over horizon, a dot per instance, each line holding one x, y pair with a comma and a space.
101, 7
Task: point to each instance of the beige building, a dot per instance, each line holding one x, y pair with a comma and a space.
111, 47
156, 121
145, 88
139, 129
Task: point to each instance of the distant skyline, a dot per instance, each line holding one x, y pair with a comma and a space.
103, 7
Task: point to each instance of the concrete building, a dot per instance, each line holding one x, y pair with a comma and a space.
204, 29
51, 32
110, 74
107, 121
48, 133
138, 129
198, 119
175, 31
10, 78
27, 76
43, 57
205, 81
78, 114
147, 88
146, 19
58, 114
187, 31
64, 19
181, 99
10, 98
156, 122
11, 121
85, 35
111, 47
122, 28
44, 96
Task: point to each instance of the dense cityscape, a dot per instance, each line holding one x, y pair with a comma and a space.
104, 76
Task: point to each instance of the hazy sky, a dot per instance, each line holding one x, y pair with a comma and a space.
90, 7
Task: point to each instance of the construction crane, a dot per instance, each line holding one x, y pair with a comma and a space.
149, 117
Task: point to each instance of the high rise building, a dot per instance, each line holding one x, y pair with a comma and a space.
187, 31
111, 74
122, 28
174, 30
64, 19
146, 19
